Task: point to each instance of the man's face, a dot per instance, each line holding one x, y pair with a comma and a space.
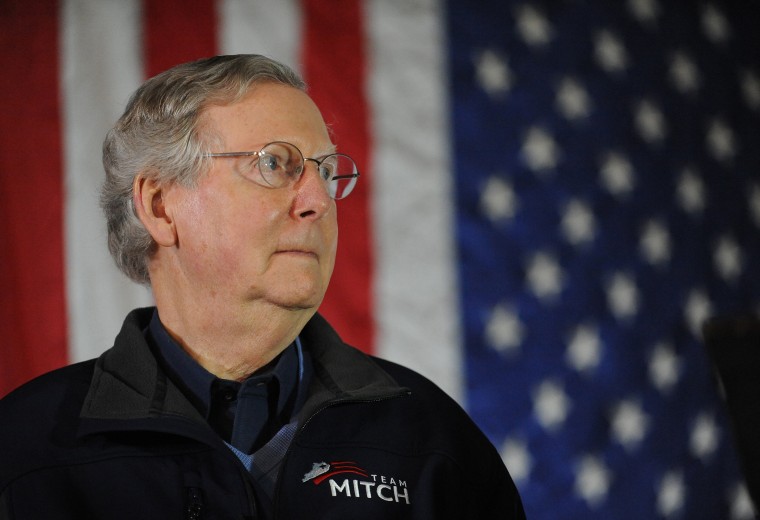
240, 242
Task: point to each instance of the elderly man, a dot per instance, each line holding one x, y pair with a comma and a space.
232, 398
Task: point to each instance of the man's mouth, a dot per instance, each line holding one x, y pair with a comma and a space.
297, 252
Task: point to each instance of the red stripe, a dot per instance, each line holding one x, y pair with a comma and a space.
32, 301
177, 31
334, 65
324, 477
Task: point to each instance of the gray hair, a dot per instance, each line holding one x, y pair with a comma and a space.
158, 136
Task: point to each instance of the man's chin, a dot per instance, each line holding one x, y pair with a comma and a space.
296, 300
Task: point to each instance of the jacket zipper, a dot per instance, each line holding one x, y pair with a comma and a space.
194, 510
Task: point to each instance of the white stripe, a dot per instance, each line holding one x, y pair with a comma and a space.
268, 27
416, 282
100, 68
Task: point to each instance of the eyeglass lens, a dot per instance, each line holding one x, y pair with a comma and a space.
279, 164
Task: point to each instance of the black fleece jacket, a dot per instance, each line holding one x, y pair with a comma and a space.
114, 438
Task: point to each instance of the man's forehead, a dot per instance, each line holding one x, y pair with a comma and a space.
249, 123
311, 149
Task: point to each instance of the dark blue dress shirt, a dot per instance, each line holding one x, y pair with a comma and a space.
256, 417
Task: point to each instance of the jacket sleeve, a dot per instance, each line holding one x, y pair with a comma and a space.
5, 506
496, 495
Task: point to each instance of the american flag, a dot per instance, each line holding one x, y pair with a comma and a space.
555, 196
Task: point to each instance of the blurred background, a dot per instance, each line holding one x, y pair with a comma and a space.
555, 196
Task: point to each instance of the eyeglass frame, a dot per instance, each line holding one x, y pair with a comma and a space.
303, 162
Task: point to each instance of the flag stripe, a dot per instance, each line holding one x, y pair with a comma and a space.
33, 327
415, 284
101, 64
268, 27
177, 31
336, 36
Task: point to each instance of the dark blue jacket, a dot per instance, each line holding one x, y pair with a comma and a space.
114, 438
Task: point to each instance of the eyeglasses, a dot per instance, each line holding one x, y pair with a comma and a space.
280, 164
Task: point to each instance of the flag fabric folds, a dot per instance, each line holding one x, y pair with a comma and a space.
554, 197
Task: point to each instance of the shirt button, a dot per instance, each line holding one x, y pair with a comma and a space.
228, 395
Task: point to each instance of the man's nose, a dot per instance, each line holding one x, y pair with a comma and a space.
312, 199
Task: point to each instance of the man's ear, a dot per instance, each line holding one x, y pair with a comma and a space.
149, 201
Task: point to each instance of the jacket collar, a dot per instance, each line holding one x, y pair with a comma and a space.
129, 387
341, 372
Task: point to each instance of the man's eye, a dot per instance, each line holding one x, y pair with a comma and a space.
326, 170
269, 162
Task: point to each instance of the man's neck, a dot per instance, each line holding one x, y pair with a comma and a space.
232, 345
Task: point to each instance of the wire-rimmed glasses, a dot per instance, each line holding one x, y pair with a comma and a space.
280, 164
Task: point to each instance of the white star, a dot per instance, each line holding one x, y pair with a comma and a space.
622, 296
544, 276
617, 174
741, 503
592, 480
754, 203
572, 100
715, 25
655, 243
629, 424
493, 73
697, 309
578, 223
670, 496
721, 141
691, 192
550, 405
584, 349
751, 89
650, 122
728, 259
533, 26
645, 11
664, 367
517, 458
684, 74
498, 200
539, 151
609, 52
705, 436
504, 330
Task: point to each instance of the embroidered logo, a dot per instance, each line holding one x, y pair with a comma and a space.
317, 469
342, 480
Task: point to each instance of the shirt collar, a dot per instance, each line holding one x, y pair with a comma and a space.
199, 384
